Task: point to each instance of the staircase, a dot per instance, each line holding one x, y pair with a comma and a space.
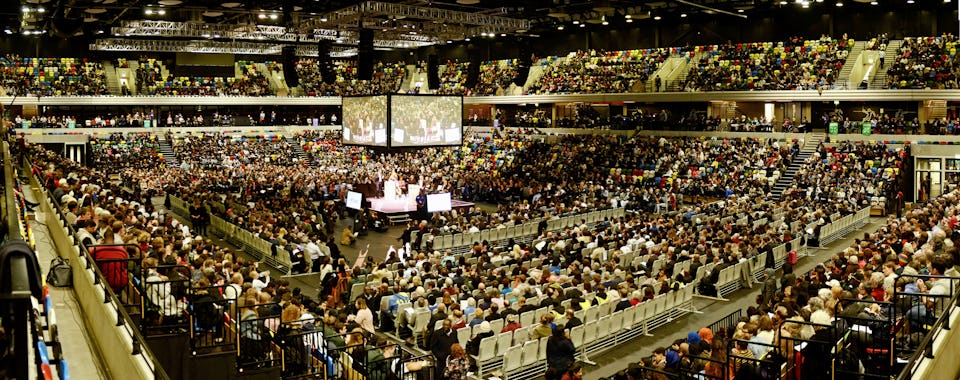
297, 150
851, 62
785, 181
167, 150
889, 55
113, 83
408, 73
677, 83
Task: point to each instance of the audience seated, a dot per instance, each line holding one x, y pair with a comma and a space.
116, 152
51, 76
588, 72
453, 79
386, 79
795, 64
925, 62
495, 77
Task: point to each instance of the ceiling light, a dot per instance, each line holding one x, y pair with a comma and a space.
874, 3
656, 17
41, 10
605, 23
583, 25
909, 1
26, 32
783, 2
261, 16
628, 17
629, 20
575, 22
683, 15
503, 34
560, 27
26, 10
161, 12
273, 16
449, 42
483, 34
100, 31
323, 19
467, 39
148, 11
839, 3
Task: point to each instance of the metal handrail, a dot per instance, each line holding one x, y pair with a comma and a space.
123, 318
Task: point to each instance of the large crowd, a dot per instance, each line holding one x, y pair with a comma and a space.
51, 76
925, 62
795, 64
250, 183
386, 79
593, 71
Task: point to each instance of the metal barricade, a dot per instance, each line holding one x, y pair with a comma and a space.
208, 312
120, 265
255, 347
163, 292
871, 331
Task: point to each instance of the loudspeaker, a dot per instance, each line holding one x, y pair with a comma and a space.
324, 64
473, 68
365, 55
523, 70
433, 74
289, 60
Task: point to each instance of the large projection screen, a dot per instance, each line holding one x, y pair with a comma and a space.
365, 120
426, 120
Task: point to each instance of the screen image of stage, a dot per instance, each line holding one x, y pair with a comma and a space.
425, 120
365, 120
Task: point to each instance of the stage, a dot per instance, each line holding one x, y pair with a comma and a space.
402, 205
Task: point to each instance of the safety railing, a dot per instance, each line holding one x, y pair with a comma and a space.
260, 249
123, 346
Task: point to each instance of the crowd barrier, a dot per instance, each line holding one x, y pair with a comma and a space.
603, 329
260, 249
121, 346
840, 226
525, 231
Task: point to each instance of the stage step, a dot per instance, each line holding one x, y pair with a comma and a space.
398, 218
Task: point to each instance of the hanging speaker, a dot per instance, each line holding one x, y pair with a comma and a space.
324, 64
433, 74
289, 60
365, 55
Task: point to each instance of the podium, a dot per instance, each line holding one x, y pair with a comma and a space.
390, 190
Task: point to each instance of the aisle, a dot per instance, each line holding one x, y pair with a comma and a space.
619, 358
83, 360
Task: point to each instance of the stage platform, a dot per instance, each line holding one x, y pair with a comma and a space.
403, 205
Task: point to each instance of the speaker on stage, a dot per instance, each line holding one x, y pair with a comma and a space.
365, 55
433, 74
289, 60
